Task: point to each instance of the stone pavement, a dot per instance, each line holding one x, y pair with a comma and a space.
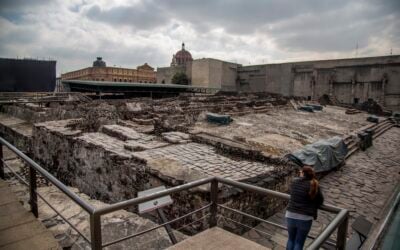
19, 229
204, 159
283, 131
363, 186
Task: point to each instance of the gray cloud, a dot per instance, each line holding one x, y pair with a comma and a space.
18, 4
255, 31
333, 25
334, 31
242, 16
146, 15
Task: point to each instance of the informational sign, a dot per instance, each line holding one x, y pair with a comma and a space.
152, 205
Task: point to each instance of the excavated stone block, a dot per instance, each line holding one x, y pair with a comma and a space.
176, 137
121, 132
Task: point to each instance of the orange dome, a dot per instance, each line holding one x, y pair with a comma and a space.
181, 57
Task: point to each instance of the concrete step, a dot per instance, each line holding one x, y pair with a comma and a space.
19, 229
14, 216
40, 241
378, 131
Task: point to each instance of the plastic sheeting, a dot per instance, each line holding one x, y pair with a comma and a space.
323, 155
220, 119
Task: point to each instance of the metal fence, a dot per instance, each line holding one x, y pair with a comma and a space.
340, 221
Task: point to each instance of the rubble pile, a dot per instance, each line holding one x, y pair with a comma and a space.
373, 107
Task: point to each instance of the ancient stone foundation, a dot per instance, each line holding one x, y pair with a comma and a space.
110, 150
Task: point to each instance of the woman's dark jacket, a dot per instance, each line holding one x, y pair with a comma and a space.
300, 201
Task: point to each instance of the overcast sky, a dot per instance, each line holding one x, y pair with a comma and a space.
130, 33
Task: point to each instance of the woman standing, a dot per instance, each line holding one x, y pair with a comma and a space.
305, 198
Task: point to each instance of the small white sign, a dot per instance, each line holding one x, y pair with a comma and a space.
149, 206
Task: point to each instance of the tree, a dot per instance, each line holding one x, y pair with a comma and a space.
180, 78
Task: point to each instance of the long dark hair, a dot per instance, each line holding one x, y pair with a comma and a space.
309, 174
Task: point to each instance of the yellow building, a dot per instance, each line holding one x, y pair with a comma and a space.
100, 72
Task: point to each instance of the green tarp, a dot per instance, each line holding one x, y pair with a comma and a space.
217, 118
324, 155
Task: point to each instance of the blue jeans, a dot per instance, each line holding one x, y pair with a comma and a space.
298, 231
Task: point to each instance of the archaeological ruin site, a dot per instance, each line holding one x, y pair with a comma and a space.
222, 158
199, 125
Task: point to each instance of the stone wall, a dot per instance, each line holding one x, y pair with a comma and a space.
19, 140
34, 113
255, 204
16, 131
103, 174
349, 80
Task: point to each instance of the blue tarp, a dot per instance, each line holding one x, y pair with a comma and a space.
220, 119
324, 155
315, 107
306, 108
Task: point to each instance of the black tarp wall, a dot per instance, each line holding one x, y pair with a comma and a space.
27, 75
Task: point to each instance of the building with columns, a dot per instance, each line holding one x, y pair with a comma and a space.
100, 72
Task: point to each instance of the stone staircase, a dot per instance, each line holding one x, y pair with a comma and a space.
352, 140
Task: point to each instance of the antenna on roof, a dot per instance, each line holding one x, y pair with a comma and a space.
391, 51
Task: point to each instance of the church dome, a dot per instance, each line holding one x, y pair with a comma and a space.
181, 57
99, 62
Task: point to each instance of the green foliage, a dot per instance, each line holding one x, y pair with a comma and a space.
180, 78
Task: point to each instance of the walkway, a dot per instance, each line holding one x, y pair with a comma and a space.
19, 229
363, 186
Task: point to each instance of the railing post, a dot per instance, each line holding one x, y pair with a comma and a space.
213, 200
342, 233
2, 175
95, 231
32, 191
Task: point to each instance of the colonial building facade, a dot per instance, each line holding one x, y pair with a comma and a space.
100, 72
181, 63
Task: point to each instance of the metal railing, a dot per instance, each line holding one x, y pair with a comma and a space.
340, 221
